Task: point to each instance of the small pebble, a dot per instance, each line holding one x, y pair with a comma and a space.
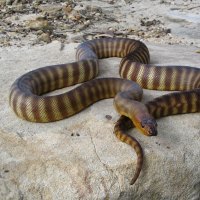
109, 117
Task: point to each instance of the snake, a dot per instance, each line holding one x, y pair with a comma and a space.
28, 100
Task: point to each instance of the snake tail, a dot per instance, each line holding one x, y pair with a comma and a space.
123, 124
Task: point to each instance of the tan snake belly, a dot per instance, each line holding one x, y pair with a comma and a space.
26, 100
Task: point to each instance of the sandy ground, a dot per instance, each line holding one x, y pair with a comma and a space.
159, 21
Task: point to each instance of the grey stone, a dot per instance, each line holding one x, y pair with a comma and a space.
80, 157
39, 24
2, 2
50, 8
45, 37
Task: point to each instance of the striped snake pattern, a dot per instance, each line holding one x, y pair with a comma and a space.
28, 103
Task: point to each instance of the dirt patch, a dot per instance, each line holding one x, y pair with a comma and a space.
30, 22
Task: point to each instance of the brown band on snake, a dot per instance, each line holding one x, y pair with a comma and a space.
121, 126
26, 100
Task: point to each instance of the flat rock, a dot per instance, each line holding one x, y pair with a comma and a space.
38, 24
80, 157
50, 8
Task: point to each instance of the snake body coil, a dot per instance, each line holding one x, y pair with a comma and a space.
26, 100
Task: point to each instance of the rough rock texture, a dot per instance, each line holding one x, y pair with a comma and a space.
80, 157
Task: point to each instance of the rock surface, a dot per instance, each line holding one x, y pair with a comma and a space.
80, 157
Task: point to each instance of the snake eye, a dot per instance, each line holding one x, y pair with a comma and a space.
144, 122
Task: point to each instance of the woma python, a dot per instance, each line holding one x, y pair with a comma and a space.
26, 100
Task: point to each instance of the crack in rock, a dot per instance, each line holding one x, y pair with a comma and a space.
106, 166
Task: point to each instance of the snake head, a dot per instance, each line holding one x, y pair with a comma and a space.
148, 126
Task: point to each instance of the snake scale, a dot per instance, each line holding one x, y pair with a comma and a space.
28, 103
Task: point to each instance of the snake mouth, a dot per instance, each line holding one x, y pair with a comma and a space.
149, 127
152, 131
